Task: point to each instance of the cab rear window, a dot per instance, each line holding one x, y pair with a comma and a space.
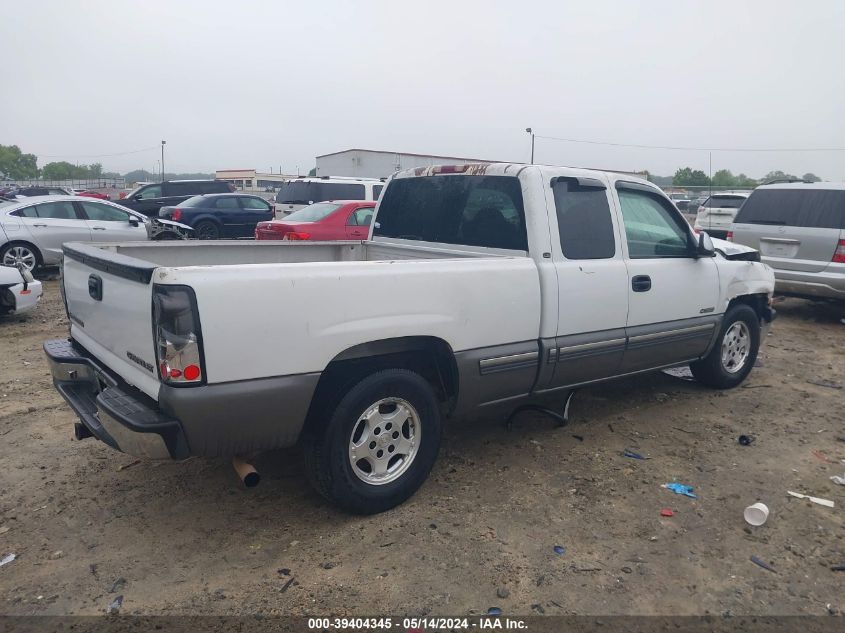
468, 210
815, 208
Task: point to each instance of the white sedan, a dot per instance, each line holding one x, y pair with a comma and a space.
19, 292
32, 230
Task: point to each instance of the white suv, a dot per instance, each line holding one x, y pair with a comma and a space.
718, 212
296, 194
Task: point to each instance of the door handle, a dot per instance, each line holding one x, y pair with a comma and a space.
44, 226
99, 228
640, 283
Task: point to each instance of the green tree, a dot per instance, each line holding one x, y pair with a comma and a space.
690, 177
744, 181
14, 164
811, 177
61, 170
778, 175
724, 178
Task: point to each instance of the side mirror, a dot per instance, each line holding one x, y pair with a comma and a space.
137, 196
133, 221
705, 246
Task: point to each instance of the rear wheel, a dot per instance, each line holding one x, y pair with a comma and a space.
379, 443
20, 253
207, 231
733, 355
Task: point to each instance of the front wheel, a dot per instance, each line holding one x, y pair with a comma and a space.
207, 231
379, 443
732, 357
20, 254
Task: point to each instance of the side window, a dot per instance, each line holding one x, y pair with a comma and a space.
361, 217
583, 220
150, 192
181, 189
340, 191
57, 211
104, 213
377, 191
28, 212
213, 187
226, 203
254, 203
651, 227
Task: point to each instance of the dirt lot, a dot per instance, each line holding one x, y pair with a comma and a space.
187, 538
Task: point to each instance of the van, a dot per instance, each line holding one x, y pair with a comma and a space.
799, 229
298, 193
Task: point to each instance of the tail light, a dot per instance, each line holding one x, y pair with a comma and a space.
122, 195
296, 236
176, 215
730, 236
839, 253
178, 338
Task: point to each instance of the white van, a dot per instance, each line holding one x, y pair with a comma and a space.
300, 192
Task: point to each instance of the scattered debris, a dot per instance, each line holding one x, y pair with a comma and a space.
680, 489
839, 567
610, 426
576, 568
580, 438
838, 480
627, 570
677, 428
328, 565
839, 438
503, 592
821, 502
129, 465
682, 373
93, 569
763, 564
7, 559
284, 571
494, 611
559, 550
821, 382
4, 529
117, 585
287, 585
746, 440
666, 512
114, 607
822, 457
57, 555
538, 608
754, 386
633, 455
756, 514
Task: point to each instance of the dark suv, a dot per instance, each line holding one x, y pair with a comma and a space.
148, 199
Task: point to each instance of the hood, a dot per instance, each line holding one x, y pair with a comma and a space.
732, 250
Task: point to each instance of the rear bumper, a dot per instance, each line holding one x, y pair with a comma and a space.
821, 285
219, 420
26, 298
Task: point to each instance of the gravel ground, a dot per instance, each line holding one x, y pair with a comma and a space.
88, 524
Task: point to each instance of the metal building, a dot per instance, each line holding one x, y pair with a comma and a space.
368, 163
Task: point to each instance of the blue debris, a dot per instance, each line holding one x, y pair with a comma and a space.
494, 611
559, 550
680, 489
633, 455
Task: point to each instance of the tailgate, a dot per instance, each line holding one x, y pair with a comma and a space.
109, 300
798, 248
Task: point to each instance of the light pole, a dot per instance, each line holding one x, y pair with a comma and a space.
163, 143
531, 132
159, 170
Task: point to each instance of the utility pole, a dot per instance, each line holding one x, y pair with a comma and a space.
163, 143
531, 132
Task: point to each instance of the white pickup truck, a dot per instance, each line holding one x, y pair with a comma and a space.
482, 288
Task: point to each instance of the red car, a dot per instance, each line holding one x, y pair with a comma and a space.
95, 194
323, 221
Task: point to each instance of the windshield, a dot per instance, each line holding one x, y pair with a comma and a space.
299, 192
725, 202
313, 213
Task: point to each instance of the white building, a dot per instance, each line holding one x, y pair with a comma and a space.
368, 163
251, 180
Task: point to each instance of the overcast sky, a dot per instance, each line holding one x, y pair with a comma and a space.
242, 84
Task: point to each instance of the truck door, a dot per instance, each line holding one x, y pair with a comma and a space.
592, 282
672, 294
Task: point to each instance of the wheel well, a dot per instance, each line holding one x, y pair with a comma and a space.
38, 256
428, 356
757, 302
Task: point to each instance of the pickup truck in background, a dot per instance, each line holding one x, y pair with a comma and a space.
481, 288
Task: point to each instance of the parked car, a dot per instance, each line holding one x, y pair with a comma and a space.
43, 191
324, 221
799, 229
471, 298
93, 194
19, 291
32, 230
298, 193
149, 199
718, 212
681, 200
219, 215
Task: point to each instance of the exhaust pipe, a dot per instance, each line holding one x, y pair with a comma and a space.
246, 472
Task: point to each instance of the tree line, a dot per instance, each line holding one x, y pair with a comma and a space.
688, 177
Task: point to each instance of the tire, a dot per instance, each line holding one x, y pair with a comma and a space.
389, 408
206, 230
13, 252
739, 339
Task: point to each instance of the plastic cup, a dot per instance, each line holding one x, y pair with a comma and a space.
756, 514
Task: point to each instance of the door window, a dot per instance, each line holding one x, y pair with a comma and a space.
227, 204
651, 227
361, 217
28, 212
150, 192
377, 191
57, 211
255, 203
104, 213
182, 189
583, 220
